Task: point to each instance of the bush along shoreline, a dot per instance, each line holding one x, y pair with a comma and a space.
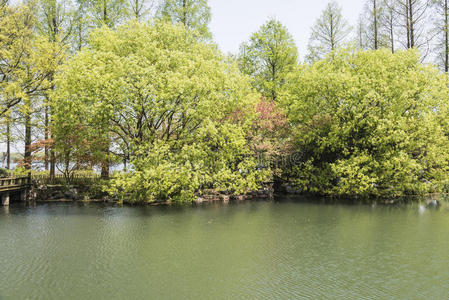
94, 191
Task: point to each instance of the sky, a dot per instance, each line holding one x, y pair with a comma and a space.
233, 21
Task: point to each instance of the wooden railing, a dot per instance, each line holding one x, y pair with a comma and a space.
14, 183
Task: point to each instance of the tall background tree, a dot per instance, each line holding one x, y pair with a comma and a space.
107, 12
26, 60
371, 20
268, 57
55, 24
331, 31
141, 9
193, 14
441, 29
388, 23
413, 23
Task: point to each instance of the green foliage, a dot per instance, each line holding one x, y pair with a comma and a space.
20, 172
215, 157
329, 32
25, 59
370, 124
106, 12
193, 14
164, 100
268, 57
4, 173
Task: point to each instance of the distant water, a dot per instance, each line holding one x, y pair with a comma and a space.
252, 250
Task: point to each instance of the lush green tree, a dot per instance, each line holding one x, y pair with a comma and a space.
370, 124
193, 14
268, 57
54, 22
330, 32
26, 62
165, 102
15, 37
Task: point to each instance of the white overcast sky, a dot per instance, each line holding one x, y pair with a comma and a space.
233, 21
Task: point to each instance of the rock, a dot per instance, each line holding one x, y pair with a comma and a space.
69, 195
224, 198
239, 198
57, 195
433, 204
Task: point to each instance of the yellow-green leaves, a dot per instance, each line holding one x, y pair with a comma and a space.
370, 124
269, 57
163, 101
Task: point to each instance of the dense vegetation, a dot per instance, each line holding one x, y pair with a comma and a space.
370, 124
100, 84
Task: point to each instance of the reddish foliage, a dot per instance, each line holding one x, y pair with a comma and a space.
270, 116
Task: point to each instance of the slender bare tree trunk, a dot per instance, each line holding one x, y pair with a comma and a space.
411, 23
27, 154
46, 160
8, 144
184, 11
446, 37
407, 24
375, 23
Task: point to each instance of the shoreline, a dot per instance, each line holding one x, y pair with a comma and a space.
429, 199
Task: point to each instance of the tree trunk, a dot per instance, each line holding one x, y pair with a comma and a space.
376, 39
332, 37
8, 145
411, 24
184, 11
407, 24
446, 37
105, 169
27, 155
392, 33
105, 163
46, 135
105, 13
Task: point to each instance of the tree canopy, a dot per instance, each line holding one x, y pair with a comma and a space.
193, 14
330, 32
268, 57
370, 124
165, 101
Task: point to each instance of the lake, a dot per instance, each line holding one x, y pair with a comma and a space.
283, 249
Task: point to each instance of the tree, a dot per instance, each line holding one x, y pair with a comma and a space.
372, 19
268, 57
139, 9
80, 25
388, 21
370, 124
55, 24
106, 12
16, 33
413, 18
330, 32
26, 62
441, 28
361, 38
163, 100
193, 14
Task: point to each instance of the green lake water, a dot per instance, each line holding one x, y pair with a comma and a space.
252, 250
